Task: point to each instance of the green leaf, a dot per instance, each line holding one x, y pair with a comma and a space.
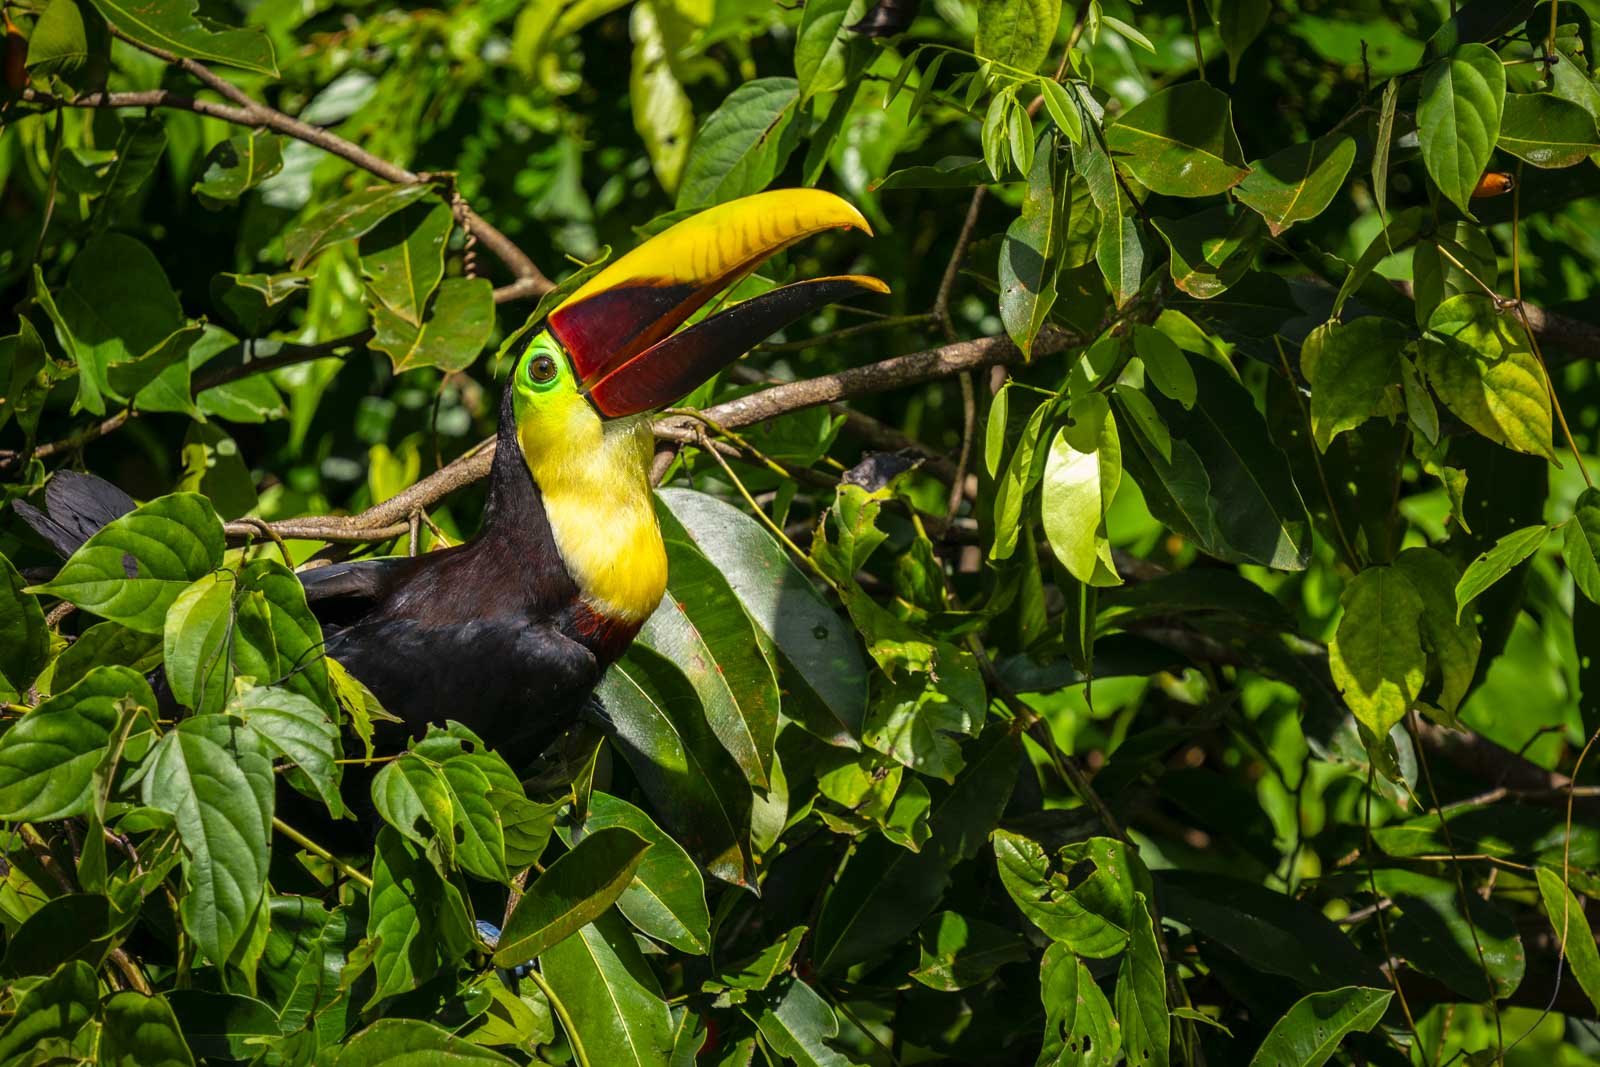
1226, 485
960, 952
213, 467
1452, 644
1573, 933
1376, 656
820, 656
402, 904
1352, 369
1094, 913
994, 429
1142, 993
48, 757
139, 150
1136, 407
1458, 119
139, 1031
1063, 112
572, 892
58, 1007
992, 135
1239, 23
1120, 249
951, 172
1491, 566
1017, 33
1429, 930
1211, 250
1298, 182
1081, 477
412, 1043
403, 261
694, 783
702, 627
743, 144
611, 994
239, 164
72, 926
1453, 261
347, 218
215, 777
798, 1024
1180, 142
667, 897
1309, 1033
1487, 373
1023, 472
1401, 231
1383, 143
821, 42
1547, 131
1029, 259
171, 26
1079, 1028
24, 638
413, 797
296, 729
459, 320
135, 566
1580, 546
1165, 364
886, 891
663, 115
59, 43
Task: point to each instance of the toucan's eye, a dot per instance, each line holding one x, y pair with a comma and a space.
541, 370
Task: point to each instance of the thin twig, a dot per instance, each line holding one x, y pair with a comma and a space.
317, 850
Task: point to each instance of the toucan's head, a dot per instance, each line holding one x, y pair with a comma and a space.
609, 351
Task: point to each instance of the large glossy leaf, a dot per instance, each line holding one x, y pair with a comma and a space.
1094, 913
137, 1031
1573, 932
24, 640
1486, 372
349, 217
743, 144
134, 567
459, 319
1298, 182
1079, 1027
1547, 131
48, 757
612, 995
1028, 254
1018, 33
666, 898
1458, 119
1376, 656
1211, 250
412, 1043
1180, 142
1142, 993
1081, 476
296, 729
1310, 1033
702, 627
798, 1024
171, 25
886, 891
1226, 486
574, 891
58, 1007
694, 783
403, 260
214, 775
1353, 369
817, 649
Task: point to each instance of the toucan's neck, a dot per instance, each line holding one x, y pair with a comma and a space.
589, 483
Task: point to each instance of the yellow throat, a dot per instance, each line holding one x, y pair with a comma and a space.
594, 477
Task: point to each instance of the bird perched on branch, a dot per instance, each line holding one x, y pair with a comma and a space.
510, 632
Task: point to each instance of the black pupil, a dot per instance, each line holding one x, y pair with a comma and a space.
543, 369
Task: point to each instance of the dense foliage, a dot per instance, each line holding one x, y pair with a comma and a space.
1178, 644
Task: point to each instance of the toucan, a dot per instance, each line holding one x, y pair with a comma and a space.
510, 632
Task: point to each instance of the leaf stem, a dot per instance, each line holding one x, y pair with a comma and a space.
317, 850
578, 1052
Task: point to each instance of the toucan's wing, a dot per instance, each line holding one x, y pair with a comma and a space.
76, 507
365, 580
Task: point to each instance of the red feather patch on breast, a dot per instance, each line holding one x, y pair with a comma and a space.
604, 635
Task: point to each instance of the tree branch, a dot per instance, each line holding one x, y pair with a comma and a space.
530, 281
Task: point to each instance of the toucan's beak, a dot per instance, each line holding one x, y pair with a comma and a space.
618, 328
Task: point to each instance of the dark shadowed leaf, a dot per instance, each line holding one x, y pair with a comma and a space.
1580, 546
138, 1031
347, 218
1428, 930
412, 1043
24, 641
1211, 250
239, 164
958, 952
67, 928
58, 1007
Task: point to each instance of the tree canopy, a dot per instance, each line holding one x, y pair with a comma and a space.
1165, 629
